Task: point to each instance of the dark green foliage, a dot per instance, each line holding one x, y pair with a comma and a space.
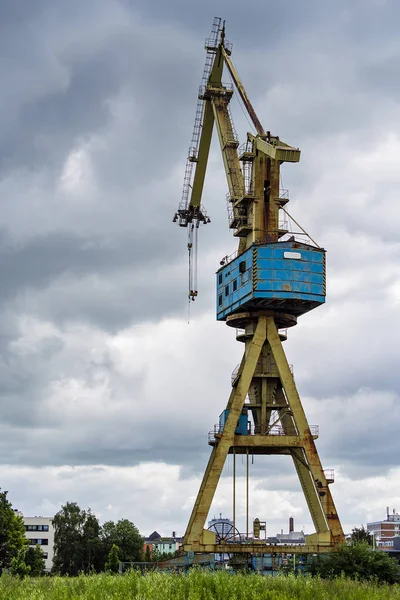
360, 534
34, 559
126, 536
112, 563
76, 540
92, 542
12, 533
357, 561
81, 545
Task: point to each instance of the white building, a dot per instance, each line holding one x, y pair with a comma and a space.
385, 530
40, 532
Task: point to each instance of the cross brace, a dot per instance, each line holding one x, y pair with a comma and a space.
269, 399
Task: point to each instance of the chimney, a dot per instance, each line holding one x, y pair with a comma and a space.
291, 525
174, 534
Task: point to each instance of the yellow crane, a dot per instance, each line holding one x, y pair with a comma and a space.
274, 277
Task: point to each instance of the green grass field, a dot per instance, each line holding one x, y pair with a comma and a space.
197, 585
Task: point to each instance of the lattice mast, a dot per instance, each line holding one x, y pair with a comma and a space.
272, 280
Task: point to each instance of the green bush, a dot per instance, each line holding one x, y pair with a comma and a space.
357, 561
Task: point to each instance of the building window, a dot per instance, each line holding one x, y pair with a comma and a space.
220, 300
39, 542
220, 279
36, 527
227, 290
170, 546
234, 285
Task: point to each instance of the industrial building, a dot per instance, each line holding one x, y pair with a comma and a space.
384, 531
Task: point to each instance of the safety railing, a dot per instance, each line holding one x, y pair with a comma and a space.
283, 224
228, 258
211, 44
284, 194
235, 373
268, 369
241, 333
329, 475
224, 88
256, 430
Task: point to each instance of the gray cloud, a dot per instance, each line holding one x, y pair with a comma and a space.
97, 363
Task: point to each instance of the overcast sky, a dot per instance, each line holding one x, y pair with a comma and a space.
106, 392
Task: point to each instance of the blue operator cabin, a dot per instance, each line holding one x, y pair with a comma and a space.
282, 276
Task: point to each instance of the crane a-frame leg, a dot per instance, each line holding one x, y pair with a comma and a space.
265, 380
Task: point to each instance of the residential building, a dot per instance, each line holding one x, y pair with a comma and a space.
149, 541
40, 532
384, 531
163, 545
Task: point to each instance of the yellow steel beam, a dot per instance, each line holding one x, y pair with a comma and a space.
321, 544
265, 441
242, 93
220, 451
202, 158
206, 135
310, 491
228, 145
277, 150
311, 474
287, 378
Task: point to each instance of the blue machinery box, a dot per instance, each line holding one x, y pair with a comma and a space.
284, 276
241, 428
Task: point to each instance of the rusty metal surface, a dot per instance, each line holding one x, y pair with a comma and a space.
259, 548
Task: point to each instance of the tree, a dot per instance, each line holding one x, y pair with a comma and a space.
360, 534
357, 561
126, 536
18, 566
34, 559
91, 540
147, 554
76, 540
112, 563
12, 533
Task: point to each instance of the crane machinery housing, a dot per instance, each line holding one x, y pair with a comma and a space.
274, 277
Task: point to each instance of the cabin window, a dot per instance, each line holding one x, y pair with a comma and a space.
293, 255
